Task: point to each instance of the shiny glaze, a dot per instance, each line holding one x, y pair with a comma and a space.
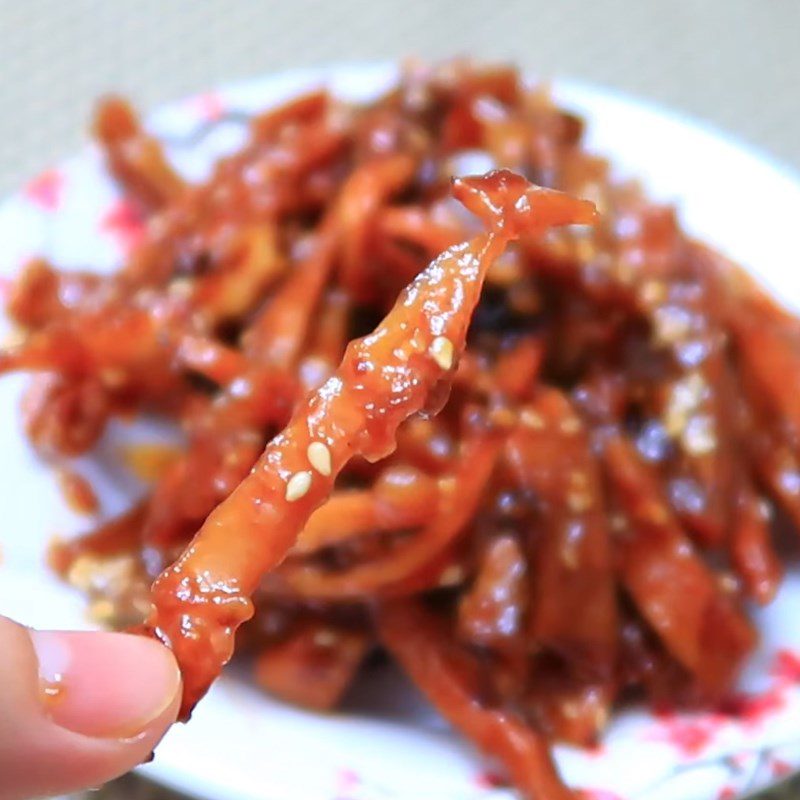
202, 599
591, 509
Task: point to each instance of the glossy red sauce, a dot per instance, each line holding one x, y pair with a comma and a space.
535, 463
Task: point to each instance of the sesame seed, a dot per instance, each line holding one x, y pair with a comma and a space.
671, 324
320, 458
442, 351
325, 637
531, 419
298, 486
452, 576
502, 417
101, 610
447, 484
570, 709
180, 288
578, 478
654, 292
579, 502
112, 377
624, 272
685, 398
570, 425
80, 573
231, 458
698, 437
569, 557
617, 522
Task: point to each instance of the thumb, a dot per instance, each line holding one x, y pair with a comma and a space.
77, 709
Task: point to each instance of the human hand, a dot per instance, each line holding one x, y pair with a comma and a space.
77, 709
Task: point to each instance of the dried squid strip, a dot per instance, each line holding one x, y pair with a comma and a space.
573, 607
460, 496
314, 665
451, 679
384, 378
673, 589
135, 158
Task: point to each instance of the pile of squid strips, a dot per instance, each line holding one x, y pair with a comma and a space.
542, 481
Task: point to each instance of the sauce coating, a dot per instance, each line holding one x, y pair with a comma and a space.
538, 515
384, 378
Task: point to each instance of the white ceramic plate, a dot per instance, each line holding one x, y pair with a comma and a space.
243, 745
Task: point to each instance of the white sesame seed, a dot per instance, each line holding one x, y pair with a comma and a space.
452, 575
579, 502
617, 522
112, 377
685, 398
578, 478
101, 610
320, 458
671, 324
231, 458
570, 709
442, 351
570, 425
325, 637
653, 292
447, 484
502, 417
531, 419
180, 288
80, 573
298, 486
569, 556
699, 437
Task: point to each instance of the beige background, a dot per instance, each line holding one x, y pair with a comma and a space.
735, 63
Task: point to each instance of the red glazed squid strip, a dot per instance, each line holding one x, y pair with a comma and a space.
451, 679
200, 601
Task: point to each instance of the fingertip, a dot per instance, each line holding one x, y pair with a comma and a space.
79, 709
105, 685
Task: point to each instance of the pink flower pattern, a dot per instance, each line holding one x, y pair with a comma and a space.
46, 190
786, 667
780, 768
490, 780
598, 794
752, 710
124, 224
209, 106
689, 734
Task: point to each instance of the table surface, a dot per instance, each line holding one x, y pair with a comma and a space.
733, 63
